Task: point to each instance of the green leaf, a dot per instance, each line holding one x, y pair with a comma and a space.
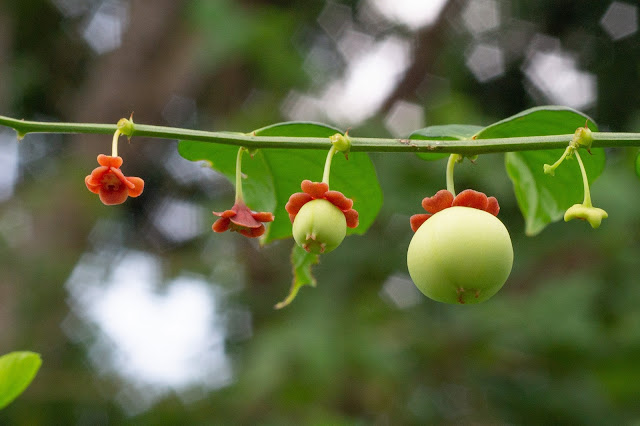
17, 370
309, 129
543, 198
274, 174
301, 263
638, 165
538, 121
450, 132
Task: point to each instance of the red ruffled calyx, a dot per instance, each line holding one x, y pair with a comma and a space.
243, 220
110, 183
320, 190
445, 199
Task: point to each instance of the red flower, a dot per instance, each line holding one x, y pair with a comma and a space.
243, 220
444, 199
320, 190
110, 183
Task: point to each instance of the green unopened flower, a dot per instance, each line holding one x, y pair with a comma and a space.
593, 215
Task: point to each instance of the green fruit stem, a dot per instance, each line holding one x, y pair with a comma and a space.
327, 165
239, 196
453, 159
114, 143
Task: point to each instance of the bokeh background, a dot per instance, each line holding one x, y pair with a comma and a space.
144, 316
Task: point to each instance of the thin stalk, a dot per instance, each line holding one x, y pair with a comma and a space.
239, 196
585, 181
550, 169
248, 140
114, 144
453, 158
327, 165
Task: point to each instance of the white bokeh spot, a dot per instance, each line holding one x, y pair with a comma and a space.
486, 62
620, 20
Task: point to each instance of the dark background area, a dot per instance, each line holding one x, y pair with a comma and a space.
144, 316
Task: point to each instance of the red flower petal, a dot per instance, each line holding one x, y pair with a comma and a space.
243, 220
221, 224
440, 201
226, 213
444, 199
315, 189
296, 201
418, 219
352, 218
471, 198
339, 200
110, 183
91, 186
97, 173
138, 186
112, 197
109, 161
492, 206
263, 216
122, 178
252, 232
244, 216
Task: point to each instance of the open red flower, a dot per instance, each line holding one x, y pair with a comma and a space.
445, 199
243, 220
320, 190
110, 183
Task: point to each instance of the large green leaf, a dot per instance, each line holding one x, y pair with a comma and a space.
538, 121
543, 198
449, 132
17, 370
274, 174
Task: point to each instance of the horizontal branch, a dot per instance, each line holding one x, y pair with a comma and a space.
465, 147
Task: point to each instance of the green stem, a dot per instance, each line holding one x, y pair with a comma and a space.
550, 169
327, 165
239, 196
463, 147
114, 144
585, 181
453, 158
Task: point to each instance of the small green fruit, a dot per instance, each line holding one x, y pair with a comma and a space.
319, 226
460, 255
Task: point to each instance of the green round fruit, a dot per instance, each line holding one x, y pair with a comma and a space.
319, 226
460, 255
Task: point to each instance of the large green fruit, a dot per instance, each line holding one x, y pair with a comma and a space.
460, 255
319, 226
